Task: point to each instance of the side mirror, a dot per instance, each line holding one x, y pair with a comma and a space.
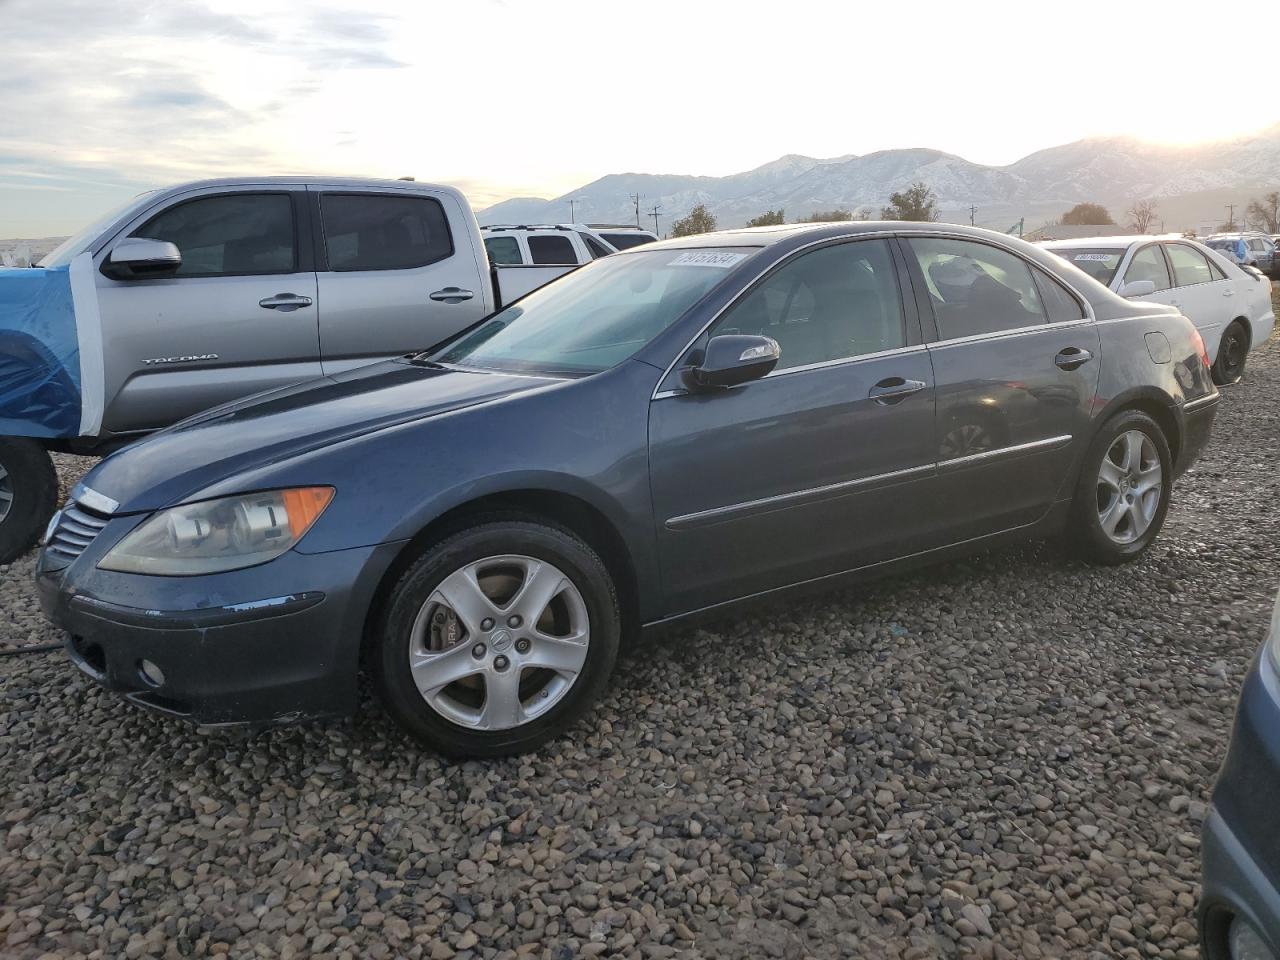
731, 359
1138, 288
138, 258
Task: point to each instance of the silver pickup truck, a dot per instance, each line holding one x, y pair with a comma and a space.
214, 290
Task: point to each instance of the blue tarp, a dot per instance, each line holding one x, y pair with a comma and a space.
40, 371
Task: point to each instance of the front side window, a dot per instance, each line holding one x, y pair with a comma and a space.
1189, 266
1149, 264
976, 289
595, 317
837, 302
625, 241
233, 234
553, 249
368, 231
504, 250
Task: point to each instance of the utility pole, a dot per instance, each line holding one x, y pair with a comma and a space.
654, 213
635, 198
1231, 214
571, 203
972, 210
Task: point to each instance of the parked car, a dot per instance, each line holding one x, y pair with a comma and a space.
1252, 249
1231, 307
561, 243
1240, 851
219, 289
658, 435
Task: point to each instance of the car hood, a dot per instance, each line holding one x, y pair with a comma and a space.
175, 464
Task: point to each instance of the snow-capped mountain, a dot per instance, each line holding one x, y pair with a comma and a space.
1114, 171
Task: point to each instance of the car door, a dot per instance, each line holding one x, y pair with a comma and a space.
397, 273
1202, 292
1015, 363
823, 465
237, 317
1148, 262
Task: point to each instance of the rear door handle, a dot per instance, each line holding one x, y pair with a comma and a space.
1072, 357
893, 390
452, 295
285, 302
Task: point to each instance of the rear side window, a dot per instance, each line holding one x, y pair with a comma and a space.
235, 234
1149, 264
1189, 266
551, 249
366, 231
1061, 306
625, 241
977, 289
504, 250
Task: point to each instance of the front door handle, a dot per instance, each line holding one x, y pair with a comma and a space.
452, 295
1228, 292
285, 302
1072, 357
893, 390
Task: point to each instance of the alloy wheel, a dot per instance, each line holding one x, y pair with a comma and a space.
1130, 485
499, 642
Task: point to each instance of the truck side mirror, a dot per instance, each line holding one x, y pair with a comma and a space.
139, 258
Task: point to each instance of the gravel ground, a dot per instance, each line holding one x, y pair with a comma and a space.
1007, 757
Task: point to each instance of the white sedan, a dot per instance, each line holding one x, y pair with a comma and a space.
1230, 306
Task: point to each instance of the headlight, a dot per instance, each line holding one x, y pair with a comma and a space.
217, 535
1273, 636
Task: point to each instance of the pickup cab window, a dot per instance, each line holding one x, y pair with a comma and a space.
229, 235
505, 250
369, 231
555, 248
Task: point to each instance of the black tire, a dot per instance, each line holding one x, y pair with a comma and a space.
1233, 352
390, 653
27, 475
1086, 537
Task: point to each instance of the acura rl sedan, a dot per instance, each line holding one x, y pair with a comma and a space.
1240, 903
658, 435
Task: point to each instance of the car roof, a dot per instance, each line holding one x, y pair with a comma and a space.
1108, 243
768, 236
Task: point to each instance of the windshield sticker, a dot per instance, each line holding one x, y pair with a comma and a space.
707, 258
1099, 257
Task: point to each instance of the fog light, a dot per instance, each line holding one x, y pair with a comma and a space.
152, 674
1245, 944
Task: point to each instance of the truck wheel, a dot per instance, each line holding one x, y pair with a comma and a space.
28, 495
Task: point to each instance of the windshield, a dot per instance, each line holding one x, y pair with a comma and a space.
73, 246
1099, 263
597, 316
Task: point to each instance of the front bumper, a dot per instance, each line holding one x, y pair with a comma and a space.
269, 645
1241, 843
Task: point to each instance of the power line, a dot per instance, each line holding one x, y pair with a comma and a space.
972, 212
657, 208
635, 198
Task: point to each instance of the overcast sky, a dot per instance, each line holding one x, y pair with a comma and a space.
535, 97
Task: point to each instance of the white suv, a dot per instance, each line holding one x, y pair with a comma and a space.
557, 243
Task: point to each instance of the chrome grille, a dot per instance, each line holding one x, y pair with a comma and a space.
76, 527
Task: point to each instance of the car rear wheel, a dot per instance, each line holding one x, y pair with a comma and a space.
1123, 493
1233, 351
497, 639
28, 495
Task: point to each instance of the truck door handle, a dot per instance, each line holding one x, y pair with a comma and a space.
1072, 357
285, 302
1228, 293
893, 390
452, 295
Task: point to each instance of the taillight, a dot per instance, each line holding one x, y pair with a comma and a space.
1199, 342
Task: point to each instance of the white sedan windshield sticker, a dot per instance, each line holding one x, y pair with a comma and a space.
1093, 256
707, 258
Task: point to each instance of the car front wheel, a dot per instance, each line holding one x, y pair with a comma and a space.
497, 639
28, 495
1123, 493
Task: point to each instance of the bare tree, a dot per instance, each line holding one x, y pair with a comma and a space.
1264, 214
1143, 213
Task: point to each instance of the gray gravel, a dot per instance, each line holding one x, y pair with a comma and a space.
1007, 757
